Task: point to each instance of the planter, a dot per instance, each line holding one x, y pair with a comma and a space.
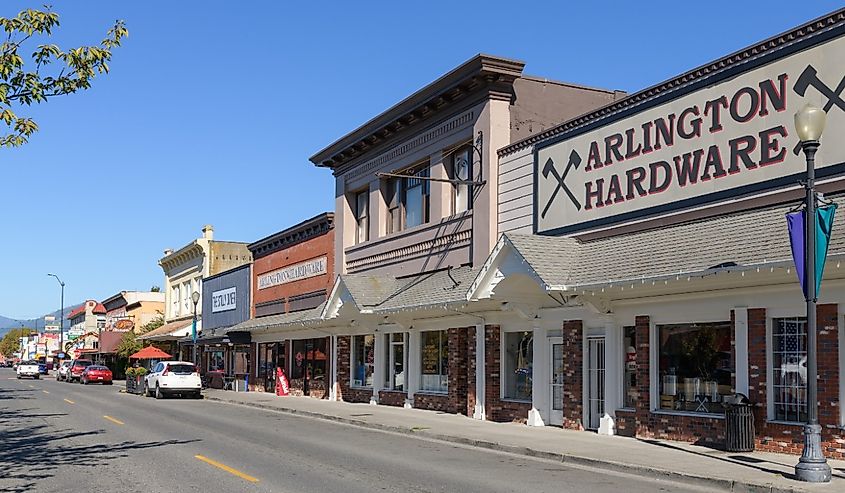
135, 384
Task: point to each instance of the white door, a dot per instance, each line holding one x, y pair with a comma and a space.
556, 381
595, 381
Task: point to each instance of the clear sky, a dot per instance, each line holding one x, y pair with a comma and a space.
212, 109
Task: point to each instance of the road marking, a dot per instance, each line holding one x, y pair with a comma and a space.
227, 469
32, 386
12, 378
116, 421
69, 401
45, 391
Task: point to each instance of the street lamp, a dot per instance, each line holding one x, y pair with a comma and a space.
812, 467
61, 318
195, 297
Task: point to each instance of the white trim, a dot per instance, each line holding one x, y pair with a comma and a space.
770, 372
841, 369
741, 350
480, 372
653, 370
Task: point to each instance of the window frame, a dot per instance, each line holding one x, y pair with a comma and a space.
503, 363
454, 175
770, 368
390, 361
396, 197
353, 360
359, 217
444, 340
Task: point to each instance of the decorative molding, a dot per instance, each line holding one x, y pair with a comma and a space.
409, 145
439, 244
190, 252
287, 238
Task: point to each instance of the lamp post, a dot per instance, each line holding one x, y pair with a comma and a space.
61, 318
195, 297
812, 467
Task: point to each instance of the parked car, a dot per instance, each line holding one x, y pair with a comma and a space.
42, 368
28, 369
173, 377
64, 368
96, 373
77, 366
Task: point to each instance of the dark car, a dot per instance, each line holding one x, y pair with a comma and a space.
42, 368
76, 369
94, 374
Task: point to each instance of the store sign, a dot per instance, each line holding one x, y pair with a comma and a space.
224, 300
731, 138
292, 273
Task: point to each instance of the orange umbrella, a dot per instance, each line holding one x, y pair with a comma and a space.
150, 352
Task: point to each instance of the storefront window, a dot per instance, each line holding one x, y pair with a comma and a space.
789, 375
241, 360
363, 350
216, 361
629, 365
519, 364
695, 366
309, 355
395, 359
435, 361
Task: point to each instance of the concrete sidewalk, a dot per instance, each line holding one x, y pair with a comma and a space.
654, 458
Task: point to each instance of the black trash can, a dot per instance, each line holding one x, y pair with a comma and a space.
739, 423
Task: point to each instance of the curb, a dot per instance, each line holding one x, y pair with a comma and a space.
646, 471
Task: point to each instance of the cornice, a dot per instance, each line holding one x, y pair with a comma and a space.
304, 231
188, 252
811, 28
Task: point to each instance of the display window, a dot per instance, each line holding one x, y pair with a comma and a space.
434, 347
518, 365
363, 361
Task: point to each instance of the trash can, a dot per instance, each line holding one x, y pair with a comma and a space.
739, 423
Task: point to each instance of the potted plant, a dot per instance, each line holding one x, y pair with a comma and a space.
135, 379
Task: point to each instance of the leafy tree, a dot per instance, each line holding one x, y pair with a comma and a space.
10, 343
128, 345
24, 83
151, 325
155, 289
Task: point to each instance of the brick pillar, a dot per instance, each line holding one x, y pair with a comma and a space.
343, 351
457, 370
470, 370
642, 401
828, 366
573, 368
757, 363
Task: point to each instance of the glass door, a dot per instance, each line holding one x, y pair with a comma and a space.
556, 381
595, 381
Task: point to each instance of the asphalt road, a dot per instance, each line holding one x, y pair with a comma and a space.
56, 436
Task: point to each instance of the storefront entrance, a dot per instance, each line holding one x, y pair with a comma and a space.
271, 356
556, 381
595, 381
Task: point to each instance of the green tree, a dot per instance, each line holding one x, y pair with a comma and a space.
23, 83
130, 344
10, 343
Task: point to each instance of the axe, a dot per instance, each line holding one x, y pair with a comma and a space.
810, 77
549, 168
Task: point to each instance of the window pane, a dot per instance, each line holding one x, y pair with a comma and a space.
695, 366
789, 360
461, 171
435, 361
362, 217
414, 206
309, 355
519, 364
630, 365
364, 354
398, 382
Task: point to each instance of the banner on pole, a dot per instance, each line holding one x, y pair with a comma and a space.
824, 227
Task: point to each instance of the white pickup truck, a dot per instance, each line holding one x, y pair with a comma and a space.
28, 369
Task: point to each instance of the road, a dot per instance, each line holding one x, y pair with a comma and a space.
56, 436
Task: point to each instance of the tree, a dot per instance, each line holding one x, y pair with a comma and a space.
23, 83
10, 343
155, 289
130, 344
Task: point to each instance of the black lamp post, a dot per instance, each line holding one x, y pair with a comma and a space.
195, 297
812, 467
61, 317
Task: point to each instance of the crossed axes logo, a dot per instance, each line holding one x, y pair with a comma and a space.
808, 78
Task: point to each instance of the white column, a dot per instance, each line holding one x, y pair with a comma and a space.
612, 376
333, 377
741, 348
480, 373
414, 365
380, 365
540, 387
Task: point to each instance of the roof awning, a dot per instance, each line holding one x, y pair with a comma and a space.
169, 331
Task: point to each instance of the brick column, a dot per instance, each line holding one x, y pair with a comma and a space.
470, 371
642, 401
573, 371
457, 370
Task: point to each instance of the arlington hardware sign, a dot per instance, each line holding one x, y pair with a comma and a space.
732, 135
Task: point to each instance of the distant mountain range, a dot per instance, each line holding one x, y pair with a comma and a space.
7, 324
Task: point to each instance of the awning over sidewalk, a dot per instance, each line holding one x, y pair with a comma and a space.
168, 332
730, 243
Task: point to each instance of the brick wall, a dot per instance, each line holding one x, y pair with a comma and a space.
471, 355
789, 438
392, 398
347, 394
433, 402
573, 379
458, 370
497, 409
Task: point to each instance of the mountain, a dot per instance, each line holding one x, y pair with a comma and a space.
7, 323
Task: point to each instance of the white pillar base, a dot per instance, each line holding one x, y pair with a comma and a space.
409, 404
534, 418
373, 400
607, 425
478, 413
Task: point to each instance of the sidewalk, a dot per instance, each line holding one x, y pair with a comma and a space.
654, 458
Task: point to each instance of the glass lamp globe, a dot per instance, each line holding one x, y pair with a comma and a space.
195, 297
809, 123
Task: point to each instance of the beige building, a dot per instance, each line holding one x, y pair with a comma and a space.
131, 310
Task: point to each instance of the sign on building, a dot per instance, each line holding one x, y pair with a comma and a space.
292, 273
715, 139
224, 300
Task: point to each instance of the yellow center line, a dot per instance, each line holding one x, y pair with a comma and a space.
46, 391
116, 421
69, 401
227, 469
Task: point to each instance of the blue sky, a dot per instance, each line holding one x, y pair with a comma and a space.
228, 100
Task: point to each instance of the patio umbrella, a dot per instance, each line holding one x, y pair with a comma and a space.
150, 352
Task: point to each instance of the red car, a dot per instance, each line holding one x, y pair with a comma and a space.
96, 373
77, 366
